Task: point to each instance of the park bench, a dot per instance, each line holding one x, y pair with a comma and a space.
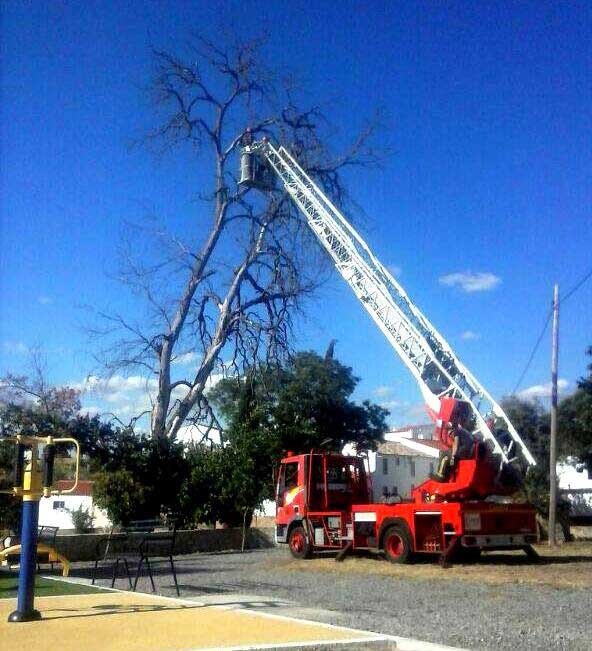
129, 545
144, 526
158, 547
46, 535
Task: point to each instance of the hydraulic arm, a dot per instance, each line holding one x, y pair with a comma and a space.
433, 363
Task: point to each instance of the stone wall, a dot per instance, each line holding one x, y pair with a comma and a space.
82, 547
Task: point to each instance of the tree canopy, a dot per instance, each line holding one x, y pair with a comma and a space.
305, 404
575, 421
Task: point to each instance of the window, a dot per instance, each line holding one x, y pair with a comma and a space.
431, 468
395, 490
58, 504
398, 461
384, 466
287, 483
412, 467
291, 475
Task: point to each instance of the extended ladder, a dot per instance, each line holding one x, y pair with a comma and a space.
424, 351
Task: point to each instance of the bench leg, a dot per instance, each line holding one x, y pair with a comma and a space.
138, 573
115, 568
174, 576
150, 574
129, 578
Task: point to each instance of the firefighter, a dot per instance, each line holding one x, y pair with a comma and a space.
462, 448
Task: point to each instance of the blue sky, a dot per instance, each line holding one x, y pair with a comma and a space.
489, 116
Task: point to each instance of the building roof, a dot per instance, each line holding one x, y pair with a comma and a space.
421, 431
84, 487
398, 448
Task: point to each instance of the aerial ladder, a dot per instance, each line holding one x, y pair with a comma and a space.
442, 378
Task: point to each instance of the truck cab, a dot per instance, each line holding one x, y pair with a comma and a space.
314, 498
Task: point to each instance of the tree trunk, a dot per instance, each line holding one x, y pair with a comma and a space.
244, 530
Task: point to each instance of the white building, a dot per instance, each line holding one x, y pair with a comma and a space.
403, 465
56, 511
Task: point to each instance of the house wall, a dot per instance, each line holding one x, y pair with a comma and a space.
402, 473
52, 514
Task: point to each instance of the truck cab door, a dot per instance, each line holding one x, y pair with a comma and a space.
290, 492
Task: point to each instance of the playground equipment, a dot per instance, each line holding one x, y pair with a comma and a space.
324, 501
33, 479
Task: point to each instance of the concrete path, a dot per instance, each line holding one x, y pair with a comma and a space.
126, 621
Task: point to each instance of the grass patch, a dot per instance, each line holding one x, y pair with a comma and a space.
43, 587
566, 566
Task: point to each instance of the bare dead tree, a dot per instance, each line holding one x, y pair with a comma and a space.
225, 296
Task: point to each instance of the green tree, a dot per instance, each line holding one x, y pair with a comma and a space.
141, 479
120, 494
314, 407
305, 405
10, 507
30, 405
575, 422
533, 424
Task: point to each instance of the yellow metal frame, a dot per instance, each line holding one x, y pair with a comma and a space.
32, 488
54, 555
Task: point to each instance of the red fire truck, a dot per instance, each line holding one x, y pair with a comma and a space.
324, 501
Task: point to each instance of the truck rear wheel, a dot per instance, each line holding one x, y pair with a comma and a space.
298, 542
396, 544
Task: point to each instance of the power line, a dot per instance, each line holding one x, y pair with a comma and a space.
534, 350
577, 286
570, 293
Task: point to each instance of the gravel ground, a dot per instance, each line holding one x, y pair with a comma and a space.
462, 613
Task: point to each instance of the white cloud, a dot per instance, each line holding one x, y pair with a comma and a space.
115, 384
394, 269
185, 359
123, 396
542, 391
126, 396
383, 391
469, 335
44, 300
195, 434
15, 347
392, 404
470, 282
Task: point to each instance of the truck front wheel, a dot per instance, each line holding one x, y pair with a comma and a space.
298, 542
396, 543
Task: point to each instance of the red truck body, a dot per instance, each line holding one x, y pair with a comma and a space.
324, 502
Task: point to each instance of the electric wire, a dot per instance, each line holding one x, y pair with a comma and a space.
533, 352
568, 294
577, 286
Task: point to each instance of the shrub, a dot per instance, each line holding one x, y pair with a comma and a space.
82, 519
120, 495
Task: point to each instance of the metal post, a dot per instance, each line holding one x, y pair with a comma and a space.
26, 588
553, 450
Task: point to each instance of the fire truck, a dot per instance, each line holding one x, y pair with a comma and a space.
324, 500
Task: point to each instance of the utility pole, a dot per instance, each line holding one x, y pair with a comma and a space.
553, 451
